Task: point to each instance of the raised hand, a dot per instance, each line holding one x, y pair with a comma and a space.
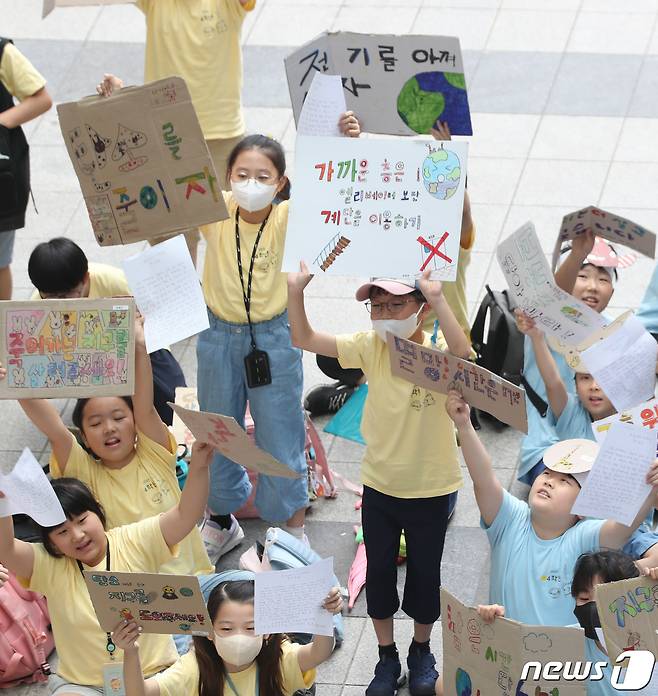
441, 131
458, 410
582, 245
525, 324
432, 289
298, 281
333, 602
349, 125
125, 635
109, 84
488, 612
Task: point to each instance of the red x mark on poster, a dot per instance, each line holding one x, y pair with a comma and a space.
434, 250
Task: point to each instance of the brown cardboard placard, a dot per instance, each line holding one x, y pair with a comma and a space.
397, 84
485, 659
159, 603
67, 348
142, 162
614, 228
228, 438
440, 372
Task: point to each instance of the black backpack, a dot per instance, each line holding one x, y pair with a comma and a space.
14, 166
501, 350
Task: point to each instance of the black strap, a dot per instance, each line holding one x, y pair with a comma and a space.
6, 100
535, 399
109, 646
246, 296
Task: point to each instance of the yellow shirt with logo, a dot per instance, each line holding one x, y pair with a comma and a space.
411, 451
182, 679
221, 280
146, 486
137, 548
18, 75
200, 41
104, 281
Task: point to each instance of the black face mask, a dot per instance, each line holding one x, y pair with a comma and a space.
588, 617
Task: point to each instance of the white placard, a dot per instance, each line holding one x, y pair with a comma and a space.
323, 107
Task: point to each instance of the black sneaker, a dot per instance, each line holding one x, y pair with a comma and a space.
388, 678
327, 398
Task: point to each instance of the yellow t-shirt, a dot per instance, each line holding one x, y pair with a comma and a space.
411, 450
200, 41
144, 487
18, 75
182, 679
80, 640
455, 291
221, 280
104, 281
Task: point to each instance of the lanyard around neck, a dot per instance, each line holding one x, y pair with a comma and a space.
231, 685
109, 646
246, 295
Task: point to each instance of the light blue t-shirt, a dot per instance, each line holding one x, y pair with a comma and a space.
603, 687
531, 577
574, 421
541, 431
648, 312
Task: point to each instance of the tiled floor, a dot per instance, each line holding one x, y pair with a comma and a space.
565, 111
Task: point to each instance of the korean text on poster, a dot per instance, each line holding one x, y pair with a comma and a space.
157, 602
441, 372
61, 348
376, 207
399, 85
142, 162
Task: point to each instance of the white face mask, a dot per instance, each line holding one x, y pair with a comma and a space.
238, 649
402, 328
251, 195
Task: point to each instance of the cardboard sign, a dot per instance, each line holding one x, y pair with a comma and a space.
229, 439
142, 162
614, 228
645, 415
376, 207
50, 5
440, 372
159, 603
486, 659
629, 619
60, 348
533, 289
395, 84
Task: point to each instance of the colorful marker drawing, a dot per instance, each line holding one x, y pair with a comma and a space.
61, 348
331, 251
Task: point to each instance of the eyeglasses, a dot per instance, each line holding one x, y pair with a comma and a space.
394, 307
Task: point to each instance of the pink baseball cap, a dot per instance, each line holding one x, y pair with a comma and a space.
395, 286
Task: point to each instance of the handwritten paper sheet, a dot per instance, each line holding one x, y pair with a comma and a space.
62, 348
533, 289
624, 459
440, 372
624, 364
645, 414
168, 293
28, 491
228, 438
612, 227
290, 601
323, 107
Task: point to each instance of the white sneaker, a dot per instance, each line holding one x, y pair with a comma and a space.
220, 541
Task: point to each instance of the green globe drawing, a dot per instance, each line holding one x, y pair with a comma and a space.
441, 173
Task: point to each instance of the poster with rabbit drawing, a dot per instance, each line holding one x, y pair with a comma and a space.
67, 348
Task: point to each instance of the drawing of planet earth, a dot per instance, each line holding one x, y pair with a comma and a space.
463, 683
430, 96
441, 173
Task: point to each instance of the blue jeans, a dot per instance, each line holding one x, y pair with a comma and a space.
276, 409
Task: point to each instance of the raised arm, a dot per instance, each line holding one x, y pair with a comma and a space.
455, 337
566, 274
320, 648
555, 389
147, 418
488, 490
302, 333
17, 555
125, 637
47, 419
31, 107
349, 125
614, 534
109, 84
177, 523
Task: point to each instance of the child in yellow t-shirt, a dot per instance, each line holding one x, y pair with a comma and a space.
200, 41
18, 79
129, 457
410, 466
55, 568
243, 663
